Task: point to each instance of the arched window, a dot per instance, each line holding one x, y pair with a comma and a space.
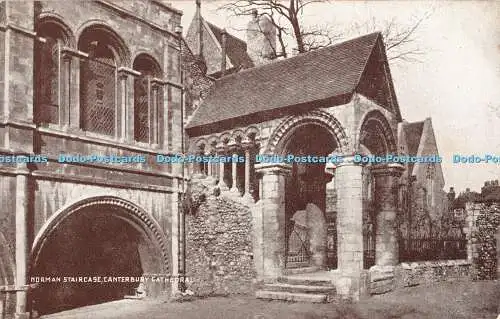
98, 79
47, 73
147, 100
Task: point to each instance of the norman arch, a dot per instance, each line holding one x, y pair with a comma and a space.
102, 236
281, 135
376, 135
107, 52
148, 99
55, 35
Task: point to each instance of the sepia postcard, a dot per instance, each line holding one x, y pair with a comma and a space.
249, 159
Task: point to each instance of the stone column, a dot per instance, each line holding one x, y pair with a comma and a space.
386, 195
234, 171
126, 107
247, 145
331, 196
199, 167
269, 222
210, 169
221, 151
349, 186
64, 115
123, 108
22, 199
153, 115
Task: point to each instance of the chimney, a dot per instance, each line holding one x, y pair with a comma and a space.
261, 39
223, 53
199, 20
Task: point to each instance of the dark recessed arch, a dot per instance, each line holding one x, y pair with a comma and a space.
375, 133
102, 37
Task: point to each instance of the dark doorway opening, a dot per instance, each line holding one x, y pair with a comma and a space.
92, 243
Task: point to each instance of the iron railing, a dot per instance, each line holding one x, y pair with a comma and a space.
422, 249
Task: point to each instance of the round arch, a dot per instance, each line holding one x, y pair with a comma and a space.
56, 27
123, 209
376, 134
100, 31
146, 62
289, 125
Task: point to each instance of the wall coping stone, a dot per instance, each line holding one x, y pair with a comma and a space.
437, 263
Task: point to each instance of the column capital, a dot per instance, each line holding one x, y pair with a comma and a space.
391, 169
273, 168
66, 56
231, 145
348, 160
128, 71
247, 144
221, 148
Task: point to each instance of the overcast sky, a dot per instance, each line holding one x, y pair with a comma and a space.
457, 83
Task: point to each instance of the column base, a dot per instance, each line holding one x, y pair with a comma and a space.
235, 191
210, 180
223, 187
381, 279
351, 286
248, 198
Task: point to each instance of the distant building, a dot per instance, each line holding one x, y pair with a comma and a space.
424, 199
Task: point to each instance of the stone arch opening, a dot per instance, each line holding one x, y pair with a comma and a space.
375, 139
99, 77
147, 102
47, 68
306, 211
106, 240
282, 134
375, 135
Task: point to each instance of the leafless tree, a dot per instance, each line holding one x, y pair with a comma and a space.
287, 17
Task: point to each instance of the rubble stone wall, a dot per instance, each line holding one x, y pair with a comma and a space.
219, 257
484, 220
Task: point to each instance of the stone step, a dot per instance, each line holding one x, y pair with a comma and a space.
297, 264
291, 296
297, 280
301, 270
300, 288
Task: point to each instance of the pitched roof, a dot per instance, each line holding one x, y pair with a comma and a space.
321, 75
236, 49
413, 133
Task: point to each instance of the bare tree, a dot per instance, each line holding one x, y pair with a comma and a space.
287, 17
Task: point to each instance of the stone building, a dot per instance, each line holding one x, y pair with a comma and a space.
77, 80
423, 197
345, 217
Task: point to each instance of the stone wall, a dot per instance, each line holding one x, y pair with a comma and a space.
383, 279
219, 258
485, 221
418, 273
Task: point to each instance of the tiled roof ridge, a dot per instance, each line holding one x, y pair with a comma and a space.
298, 56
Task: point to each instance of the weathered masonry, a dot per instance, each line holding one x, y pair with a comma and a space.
344, 106
77, 79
